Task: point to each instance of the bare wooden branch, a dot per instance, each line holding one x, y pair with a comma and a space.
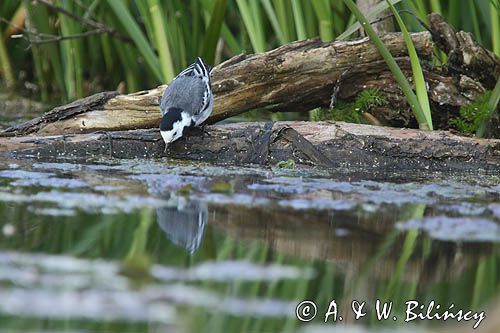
98, 26
43, 38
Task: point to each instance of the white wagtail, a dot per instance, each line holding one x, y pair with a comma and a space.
186, 102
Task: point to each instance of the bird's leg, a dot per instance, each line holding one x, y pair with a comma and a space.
199, 129
204, 131
165, 150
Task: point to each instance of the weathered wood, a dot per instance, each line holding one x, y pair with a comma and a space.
295, 77
325, 144
465, 55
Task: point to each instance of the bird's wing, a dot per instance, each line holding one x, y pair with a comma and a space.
205, 98
188, 93
188, 71
190, 90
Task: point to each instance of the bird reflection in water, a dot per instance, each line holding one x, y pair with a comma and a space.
183, 221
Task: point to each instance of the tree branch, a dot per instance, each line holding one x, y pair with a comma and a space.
98, 26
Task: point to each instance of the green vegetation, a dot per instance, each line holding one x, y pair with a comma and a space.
343, 111
289, 164
472, 115
418, 75
352, 112
393, 66
368, 99
492, 109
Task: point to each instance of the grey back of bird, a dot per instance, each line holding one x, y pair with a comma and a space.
185, 93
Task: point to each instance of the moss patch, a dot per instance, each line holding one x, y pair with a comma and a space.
473, 114
351, 111
289, 164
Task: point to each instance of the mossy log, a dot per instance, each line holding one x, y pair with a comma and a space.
295, 77
322, 144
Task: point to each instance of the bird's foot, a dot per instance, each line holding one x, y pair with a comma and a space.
199, 130
204, 130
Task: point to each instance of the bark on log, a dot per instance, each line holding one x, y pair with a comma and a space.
465, 55
324, 144
296, 77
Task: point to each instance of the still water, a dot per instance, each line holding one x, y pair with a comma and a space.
163, 246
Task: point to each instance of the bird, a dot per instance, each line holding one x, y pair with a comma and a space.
183, 221
186, 102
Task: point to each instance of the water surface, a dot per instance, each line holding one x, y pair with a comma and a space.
159, 245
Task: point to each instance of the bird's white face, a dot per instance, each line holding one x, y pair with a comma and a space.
168, 136
177, 128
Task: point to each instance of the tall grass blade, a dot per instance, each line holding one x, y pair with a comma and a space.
233, 45
71, 51
323, 12
418, 75
5, 65
214, 30
475, 23
495, 26
436, 6
248, 13
420, 6
286, 24
160, 36
179, 32
311, 22
145, 18
107, 54
48, 55
454, 13
129, 24
259, 24
492, 104
271, 15
393, 66
130, 66
298, 15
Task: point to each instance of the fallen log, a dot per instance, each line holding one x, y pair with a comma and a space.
324, 144
295, 77
299, 75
